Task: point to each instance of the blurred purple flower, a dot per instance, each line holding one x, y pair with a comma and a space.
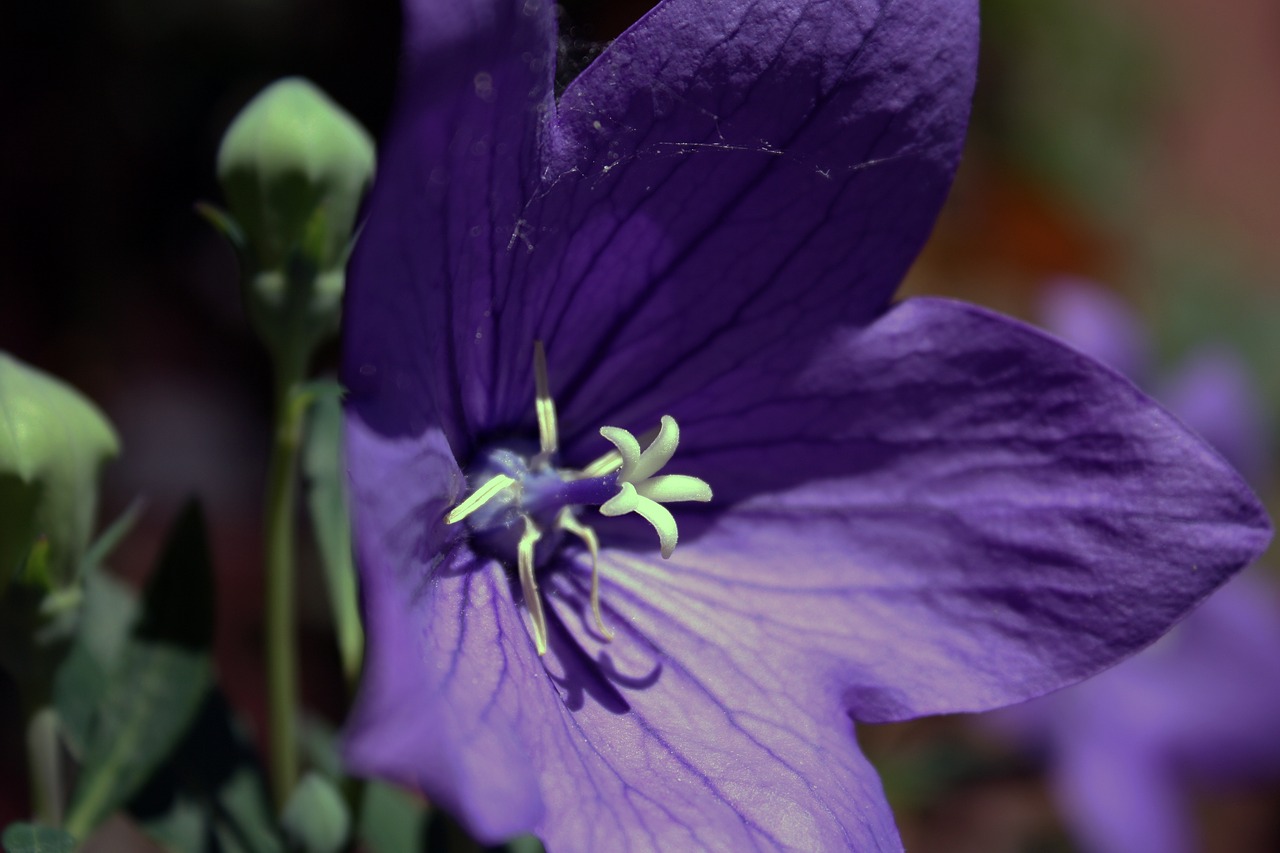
918, 508
1201, 705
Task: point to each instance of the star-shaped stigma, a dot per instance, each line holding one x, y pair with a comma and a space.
532, 497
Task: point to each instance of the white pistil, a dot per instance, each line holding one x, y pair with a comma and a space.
479, 498
643, 493
544, 406
566, 522
529, 584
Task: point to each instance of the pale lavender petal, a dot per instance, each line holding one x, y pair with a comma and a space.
1213, 393
1120, 798
604, 748
948, 511
1207, 695
609, 747
1198, 708
1098, 323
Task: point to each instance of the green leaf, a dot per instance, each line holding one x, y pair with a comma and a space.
154, 691
210, 790
109, 611
102, 547
391, 820
29, 838
327, 502
316, 817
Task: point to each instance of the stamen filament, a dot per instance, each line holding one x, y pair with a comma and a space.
479, 498
529, 584
606, 464
568, 523
545, 407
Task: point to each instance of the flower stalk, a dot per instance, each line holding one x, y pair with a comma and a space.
294, 167
280, 614
44, 766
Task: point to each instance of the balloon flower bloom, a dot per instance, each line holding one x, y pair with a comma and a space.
656, 491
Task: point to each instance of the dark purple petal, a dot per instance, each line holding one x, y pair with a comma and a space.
1098, 323
1214, 394
737, 178
722, 182
460, 160
948, 511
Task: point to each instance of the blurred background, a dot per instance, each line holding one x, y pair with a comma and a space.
1131, 143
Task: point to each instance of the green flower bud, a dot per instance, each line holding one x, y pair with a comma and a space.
294, 167
53, 442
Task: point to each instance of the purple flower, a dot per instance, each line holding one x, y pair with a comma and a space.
914, 508
1200, 706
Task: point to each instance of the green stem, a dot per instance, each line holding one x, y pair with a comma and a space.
44, 765
281, 631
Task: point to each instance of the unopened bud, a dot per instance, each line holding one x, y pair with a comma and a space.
53, 443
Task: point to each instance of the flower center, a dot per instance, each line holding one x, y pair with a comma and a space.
524, 505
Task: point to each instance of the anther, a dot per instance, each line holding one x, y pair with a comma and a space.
544, 406
479, 498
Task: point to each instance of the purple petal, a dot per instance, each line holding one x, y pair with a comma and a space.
1098, 323
1215, 395
722, 182
1208, 695
608, 747
460, 158
1120, 798
1197, 707
745, 175
949, 511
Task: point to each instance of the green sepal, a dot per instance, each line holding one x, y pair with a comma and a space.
330, 521
163, 674
30, 838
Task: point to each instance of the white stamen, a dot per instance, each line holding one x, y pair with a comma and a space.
479, 498
568, 523
606, 464
548, 434
529, 584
